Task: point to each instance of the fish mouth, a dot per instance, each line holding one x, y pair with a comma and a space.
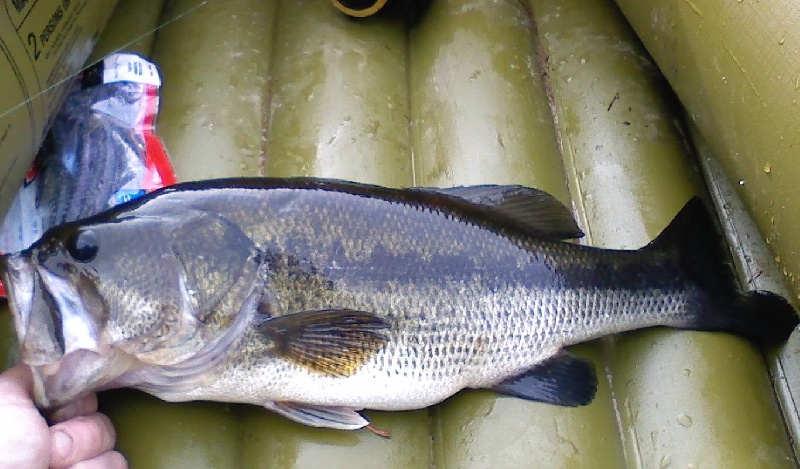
76, 329
76, 374
19, 276
50, 315
58, 336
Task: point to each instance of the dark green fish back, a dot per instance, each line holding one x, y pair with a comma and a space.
349, 231
343, 235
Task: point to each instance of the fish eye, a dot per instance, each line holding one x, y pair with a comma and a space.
82, 245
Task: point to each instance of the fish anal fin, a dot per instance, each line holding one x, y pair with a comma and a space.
332, 342
536, 211
563, 380
340, 418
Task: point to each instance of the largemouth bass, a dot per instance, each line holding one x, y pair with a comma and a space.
317, 299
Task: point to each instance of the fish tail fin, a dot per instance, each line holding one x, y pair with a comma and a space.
761, 316
720, 304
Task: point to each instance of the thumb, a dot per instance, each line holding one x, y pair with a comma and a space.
26, 442
16, 385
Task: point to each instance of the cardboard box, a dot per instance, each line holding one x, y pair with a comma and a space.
42, 44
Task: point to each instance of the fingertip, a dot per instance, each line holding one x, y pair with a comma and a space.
116, 460
107, 460
89, 436
61, 445
16, 383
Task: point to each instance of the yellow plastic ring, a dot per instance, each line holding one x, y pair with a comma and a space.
358, 12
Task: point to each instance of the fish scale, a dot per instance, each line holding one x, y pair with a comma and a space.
446, 343
319, 298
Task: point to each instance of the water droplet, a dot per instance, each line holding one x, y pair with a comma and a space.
767, 168
741, 182
665, 462
684, 421
782, 41
687, 372
778, 259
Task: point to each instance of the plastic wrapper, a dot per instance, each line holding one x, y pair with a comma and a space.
100, 151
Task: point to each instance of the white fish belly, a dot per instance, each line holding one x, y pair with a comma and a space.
425, 363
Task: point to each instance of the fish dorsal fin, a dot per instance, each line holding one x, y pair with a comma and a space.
340, 418
540, 213
561, 380
329, 342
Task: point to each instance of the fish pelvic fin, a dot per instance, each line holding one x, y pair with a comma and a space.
563, 379
329, 342
721, 305
339, 418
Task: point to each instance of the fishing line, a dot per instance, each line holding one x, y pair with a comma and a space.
118, 49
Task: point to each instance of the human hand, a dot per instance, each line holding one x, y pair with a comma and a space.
80, 437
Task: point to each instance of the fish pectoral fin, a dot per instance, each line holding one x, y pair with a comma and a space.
563, 380
538, 212
331, 342
340, 418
